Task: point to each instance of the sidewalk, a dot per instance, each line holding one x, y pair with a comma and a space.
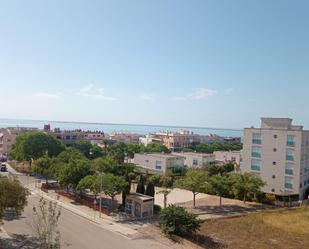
106, 222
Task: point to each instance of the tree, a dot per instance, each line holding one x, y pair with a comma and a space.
105, 164
91, 182
140, 185
113, 185
196, 181
176, 220
44, 167
246, 185
71, 174
84, 147
117, 152
12, 196
45, 224
150, 189
33, 145
166, 182
216, 169
219, 185
155, 148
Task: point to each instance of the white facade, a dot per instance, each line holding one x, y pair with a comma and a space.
228, 156
157, 163
196, 160
279, 153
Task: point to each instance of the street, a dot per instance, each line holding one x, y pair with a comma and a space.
76, 232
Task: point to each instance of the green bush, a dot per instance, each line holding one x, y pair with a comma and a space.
177, 221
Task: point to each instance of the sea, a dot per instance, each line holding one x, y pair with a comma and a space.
110, 127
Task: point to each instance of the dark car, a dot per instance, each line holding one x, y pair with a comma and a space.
3, 168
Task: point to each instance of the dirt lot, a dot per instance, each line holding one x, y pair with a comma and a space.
286, 229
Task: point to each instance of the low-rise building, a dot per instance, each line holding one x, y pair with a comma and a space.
228, 156
125, 137
196, 160
158, 163
139, 206
94, 137
68, 137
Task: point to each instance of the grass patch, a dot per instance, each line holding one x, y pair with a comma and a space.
287, 229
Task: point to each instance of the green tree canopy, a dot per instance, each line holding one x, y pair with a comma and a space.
12, 195
217, 169
196, 181
70, 174
246, 185
220, 185
176, 220
45, 167
35, 144
91, 182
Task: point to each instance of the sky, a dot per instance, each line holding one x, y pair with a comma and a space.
205, 63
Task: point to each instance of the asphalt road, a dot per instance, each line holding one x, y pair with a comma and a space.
76, 232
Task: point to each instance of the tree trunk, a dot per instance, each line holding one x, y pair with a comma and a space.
165, 200
220, 204
112, 205
245, 198
194, 194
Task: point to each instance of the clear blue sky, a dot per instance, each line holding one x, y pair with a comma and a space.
205, 63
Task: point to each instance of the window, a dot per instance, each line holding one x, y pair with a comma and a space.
275, 149
289, 154
256, 152
288, 183
290, 140
256, 138
289, 169
275, 136
273, 176
158, 165
274, 163
195, 162
273, 190
256, 165
300, 185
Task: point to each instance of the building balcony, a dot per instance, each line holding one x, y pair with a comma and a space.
290, 143
256, 141
256, 154
289, 158
289, 172
255, 167
288, 185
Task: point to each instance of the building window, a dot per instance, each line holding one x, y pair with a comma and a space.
273, 176
256, 152
256, 138
289, 169
289, 155
288, 183
275, 136
300, 185
274, 163
275, 149
256, 165
290, 141
158, 165
195, 162
273, 190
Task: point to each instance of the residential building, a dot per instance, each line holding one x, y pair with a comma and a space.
196, 160
150, 139
8, 137
228, 156
94, 137
158, 163
68, 137
125, 137
278, 152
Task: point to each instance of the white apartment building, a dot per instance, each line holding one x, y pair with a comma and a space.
157, 163
196, 160
279, 153
228, 156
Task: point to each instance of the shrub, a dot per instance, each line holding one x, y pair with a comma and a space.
177, 221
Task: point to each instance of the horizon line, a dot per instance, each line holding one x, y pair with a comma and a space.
102, 123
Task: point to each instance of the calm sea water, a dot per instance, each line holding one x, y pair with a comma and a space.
109, 128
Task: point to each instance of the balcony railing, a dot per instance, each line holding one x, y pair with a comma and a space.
288, 185
256, 141
289, 158
256, 167
256, 154
288, 171
290, 143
